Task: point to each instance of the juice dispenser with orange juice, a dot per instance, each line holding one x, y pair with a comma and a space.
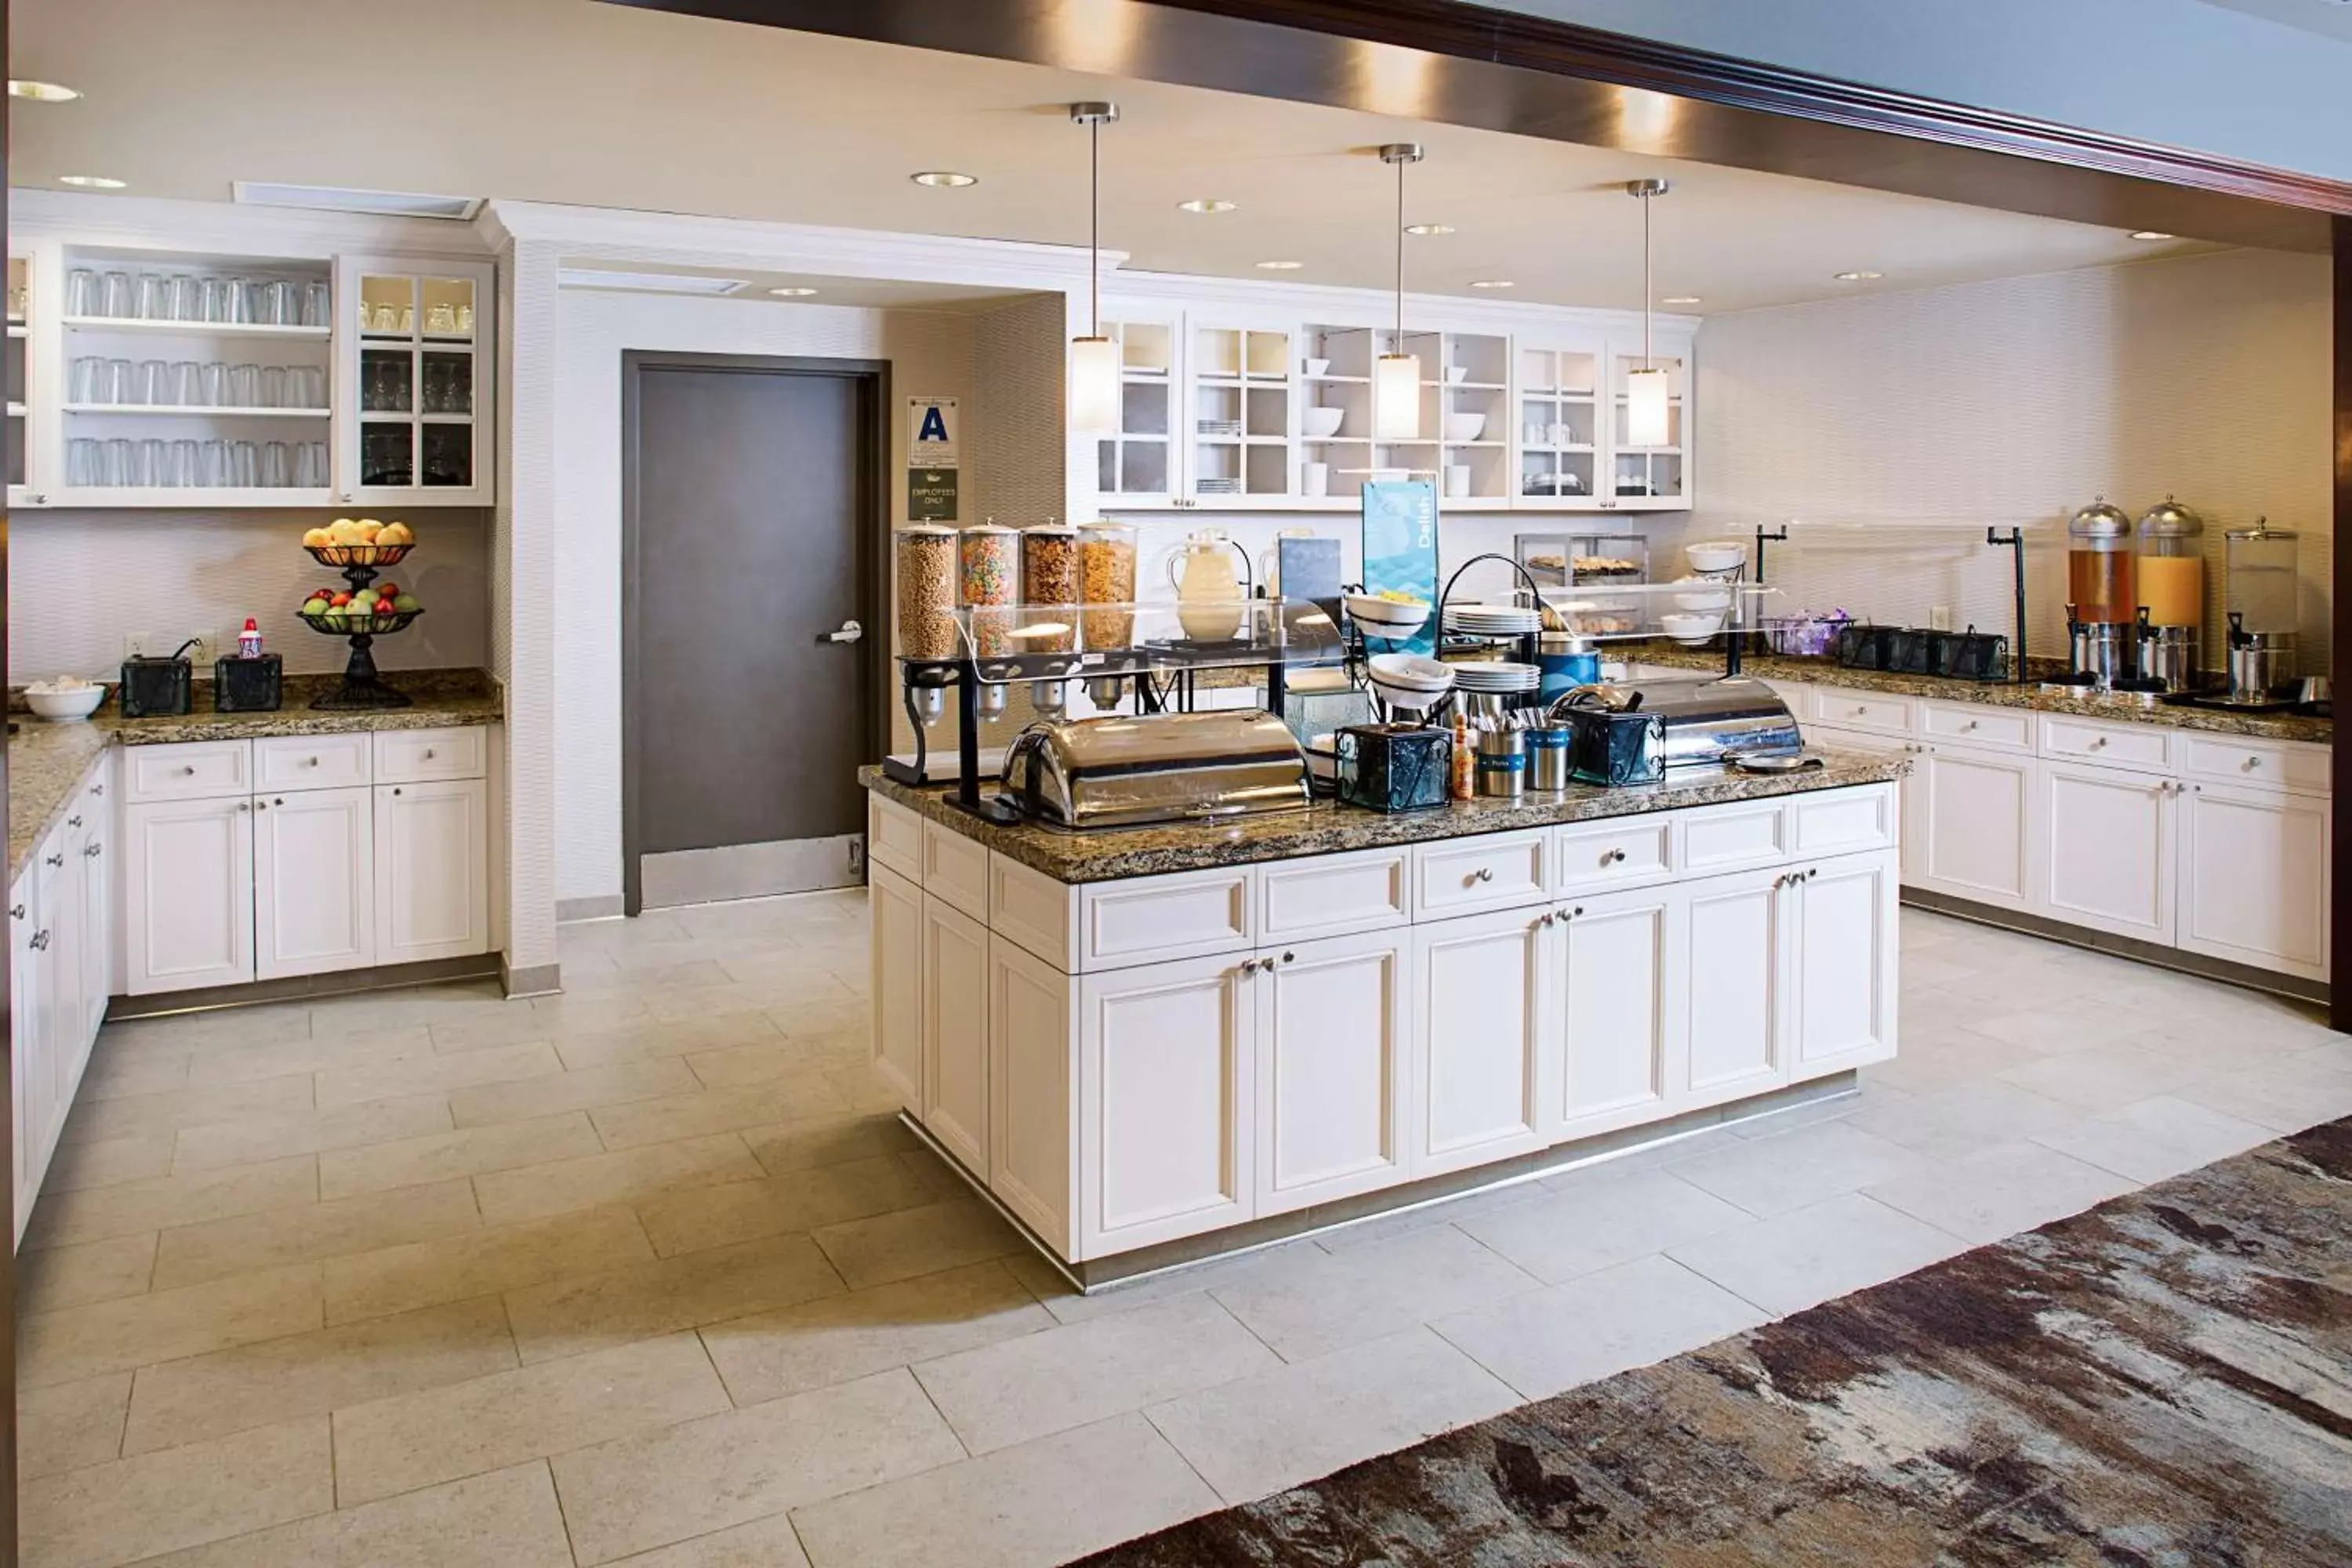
2102, 602
2171, 571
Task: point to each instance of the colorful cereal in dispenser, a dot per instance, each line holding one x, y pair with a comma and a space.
990, 562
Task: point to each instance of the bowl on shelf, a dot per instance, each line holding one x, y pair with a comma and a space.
1690, 630
1456, 374
1409, 683
1321, 423
1715, 555
344, 626
66, 700
359, 554
1384, 617
1700, 595
1316, 367
1465, 426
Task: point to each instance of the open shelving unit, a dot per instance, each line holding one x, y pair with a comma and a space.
1240, 413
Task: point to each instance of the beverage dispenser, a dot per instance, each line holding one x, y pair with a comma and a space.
2171, 569
2260, 596
2102, 601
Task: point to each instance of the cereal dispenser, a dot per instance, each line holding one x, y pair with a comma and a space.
2171, 594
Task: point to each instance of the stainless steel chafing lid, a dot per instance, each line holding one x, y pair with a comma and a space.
1168, 767
1707, 718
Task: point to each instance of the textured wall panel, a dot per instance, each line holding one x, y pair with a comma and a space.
524, 554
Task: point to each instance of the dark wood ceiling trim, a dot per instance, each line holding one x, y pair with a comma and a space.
2340, 644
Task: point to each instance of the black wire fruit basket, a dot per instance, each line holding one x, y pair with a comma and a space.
361, 687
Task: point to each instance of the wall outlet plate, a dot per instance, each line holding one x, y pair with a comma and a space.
200, 650
1939, 617
134, 643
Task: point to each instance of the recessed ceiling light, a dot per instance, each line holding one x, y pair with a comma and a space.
1207, 205
92, 182
1494, 283
1282, 266
2149, 233
944, 179
1859, 276
42, 91
1429, 228
1680, 299
648, 283
794, 291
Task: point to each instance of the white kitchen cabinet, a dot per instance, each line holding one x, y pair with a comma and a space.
1141, 465
1165, 1101
1843, 998
955, 1031
1561, 437
1334, 1026
60, 941
1649, 478
96, 858
1031, 1063
1736, 937
894, 906
28, 1081
432, 870
187, 894
2108, 854
413, 414
2254, 878
1484, 1019
313, 881
1624, 979
1975, 815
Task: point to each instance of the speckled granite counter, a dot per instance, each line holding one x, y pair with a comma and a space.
1109, 854
46, 761
1828, 672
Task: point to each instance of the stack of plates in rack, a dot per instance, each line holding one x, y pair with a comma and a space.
1496, 677
1492, 620
1218, 487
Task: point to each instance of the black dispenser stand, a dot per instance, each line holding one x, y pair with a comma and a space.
2014, 542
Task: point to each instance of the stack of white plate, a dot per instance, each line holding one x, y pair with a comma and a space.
1497, 677
1492, 620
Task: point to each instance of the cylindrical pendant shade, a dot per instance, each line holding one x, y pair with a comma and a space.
1396, 399
1646, 408
1094, 386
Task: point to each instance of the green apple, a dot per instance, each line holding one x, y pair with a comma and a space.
405, 603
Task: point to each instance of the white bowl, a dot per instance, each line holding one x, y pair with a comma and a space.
1319, 367
1319, 423
1716, 555
1374, 611
1701, 596
1465, 426
1690, 629
64, 707
1412, 672
1455, 374
1405, 699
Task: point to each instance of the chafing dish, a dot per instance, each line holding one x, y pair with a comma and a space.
1698, 720
1166, 767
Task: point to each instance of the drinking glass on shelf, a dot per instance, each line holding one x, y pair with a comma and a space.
152, 297
220, 299
317, 305
441, 320
246, 296
114, 383
154, 462
245, 387
212, 465
244, 466
407, 321
187, 385
212, 383
466, 320
386, 319
277, 466
82, 295
281, 305
307, 387
115, 469
183, 464
82, 462
310, 466
115, 295
153, 383
82, 377
273, 387
187, 297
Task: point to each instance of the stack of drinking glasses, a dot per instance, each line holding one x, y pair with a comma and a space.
91, 379
123, 464
122, 295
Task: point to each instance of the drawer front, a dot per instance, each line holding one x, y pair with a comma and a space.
1614, 855
1840, 821
1190, 914
2125, 746
894, 838
1497, 871
1730, 838
1334, 895
1034, 913
312, 762
420, 756
1978, 724
955, 870
198, 772
2262, 764
1864, 710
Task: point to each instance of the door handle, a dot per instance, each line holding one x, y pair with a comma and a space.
850, 632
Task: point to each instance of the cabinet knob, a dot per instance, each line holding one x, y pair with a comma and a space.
261, 805
1970, 725
58, 858
16, 912
1576, 911
2098, 743
243, 806
428, 753
94, 851
395, 789
73, 822
40, 939
1546, 918
1615, 857
98, 789
188, 771
2250, 763
1289, 957
310, 762
1483, 874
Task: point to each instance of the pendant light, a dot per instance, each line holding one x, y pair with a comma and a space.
1396, 379
1648, 400
1094, 359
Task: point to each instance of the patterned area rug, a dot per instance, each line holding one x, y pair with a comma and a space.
2164, 1380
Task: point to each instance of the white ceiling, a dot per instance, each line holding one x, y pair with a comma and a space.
569, 101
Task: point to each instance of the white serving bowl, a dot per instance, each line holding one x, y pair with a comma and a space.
1456, 374
1701, 596
1716, 555
64, 707
1690, 630
1316, 367
1412, 672
1372, 610
1465, 426
1319, 423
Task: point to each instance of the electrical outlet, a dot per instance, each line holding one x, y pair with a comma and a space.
200, 649
1939, 617
134, 643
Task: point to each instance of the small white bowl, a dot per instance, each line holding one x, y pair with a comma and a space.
1465, 426
1387, 614
1690, 630
65, 707
1701, 596
1319, 423
1716, 555
1456, 374
1316, 367
1412, 672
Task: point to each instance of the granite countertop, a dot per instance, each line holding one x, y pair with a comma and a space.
1328, 828
2081, 705
46, 761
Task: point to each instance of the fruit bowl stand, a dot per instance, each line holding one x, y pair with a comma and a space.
361, 687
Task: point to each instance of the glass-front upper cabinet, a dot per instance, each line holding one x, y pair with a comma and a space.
1559, 434
18, 370
1650, 477
1137, 467
415, 368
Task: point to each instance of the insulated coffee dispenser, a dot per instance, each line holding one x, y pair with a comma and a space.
2259, 594
2102, 604
2171, 569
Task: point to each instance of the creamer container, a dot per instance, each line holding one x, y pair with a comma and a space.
248, 641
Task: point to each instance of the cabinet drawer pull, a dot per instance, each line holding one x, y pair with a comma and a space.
428, 753
188, 771
1615, 857
1483, 874
93, 850
40, 939
98, 789
1970, 725
310, 762
2250, 764
244, 805
57, 860
1289, 957
73, 822
395, 789
16, 912
2098, 743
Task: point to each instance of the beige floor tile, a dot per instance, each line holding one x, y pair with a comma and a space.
829, 1140
116, 1075
832, 1017
797, 1200
2000, 1191
103, 1164
1033, 1506
624, 1176
437, 1074
1610, 1218
66, 1277
2104, 1078
1796, 1260
427, 1005
516, 1023
842, 1338
582, 1089
1068, 1307
1306, 1307
739, 1064
191, 1254
230, 1028
440, 1157
706, 1111
1949, 1124
393, 1446
814, 989
482, 1262
1597, 1324
2156, 1138
573, 1013
69, 1424
127, 1208
166, 1325
571, 1317
650, 1039
1004, 1393
1280, 1428
910, 1242
861, 1089
2284, 1096
316, 1374
1794, 1168
723, 1471
140, 1508
194, 1106
246, 1140
648, 979
507, 1518
325, 1051
763, 1544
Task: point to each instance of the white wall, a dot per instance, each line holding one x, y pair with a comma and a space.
929, 354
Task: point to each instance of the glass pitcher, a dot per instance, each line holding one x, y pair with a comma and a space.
1208, 589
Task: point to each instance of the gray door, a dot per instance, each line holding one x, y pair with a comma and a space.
749, 708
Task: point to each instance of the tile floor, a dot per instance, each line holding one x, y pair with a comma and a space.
648, 1274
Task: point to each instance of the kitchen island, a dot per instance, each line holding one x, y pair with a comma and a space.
1152, 1045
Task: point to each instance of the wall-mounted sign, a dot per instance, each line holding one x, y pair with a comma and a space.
930, 495
931, 433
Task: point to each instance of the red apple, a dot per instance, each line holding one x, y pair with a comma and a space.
340, 600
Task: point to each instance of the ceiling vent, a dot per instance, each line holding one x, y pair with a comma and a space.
376, 204
649, 282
